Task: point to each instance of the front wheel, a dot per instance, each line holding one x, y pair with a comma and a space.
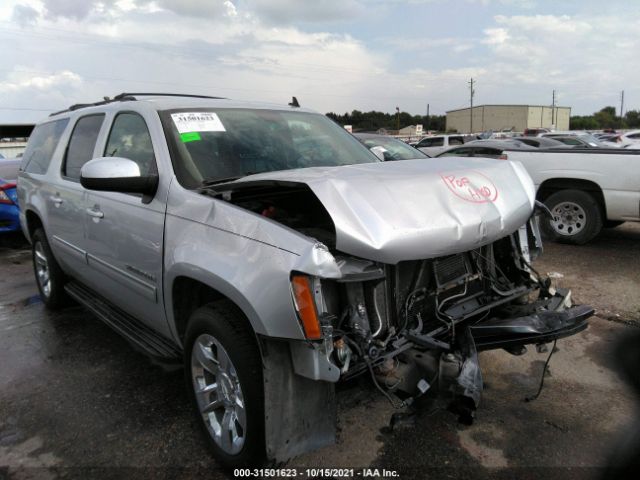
576, 217
224, 376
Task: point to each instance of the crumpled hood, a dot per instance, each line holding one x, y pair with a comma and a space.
418, 209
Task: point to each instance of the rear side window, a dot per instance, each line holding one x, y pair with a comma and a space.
487, 152
456, 141
457, 152
42, 143
129, 138
81, 145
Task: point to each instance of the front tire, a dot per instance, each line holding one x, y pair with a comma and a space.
49, 276
577, 218
224, 378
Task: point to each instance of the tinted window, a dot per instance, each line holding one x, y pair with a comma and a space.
457, 152
486, 152
634, 135
456, 141
42, 143
129, 138
81, 145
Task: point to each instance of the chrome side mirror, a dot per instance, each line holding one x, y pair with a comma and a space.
116, 174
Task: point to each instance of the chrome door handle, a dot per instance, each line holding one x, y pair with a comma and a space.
95, 213
56, 200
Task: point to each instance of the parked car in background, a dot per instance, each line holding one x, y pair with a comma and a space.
533, 132
629, 137
439, 143
578, 139
388, 148
585, 189
485, 148
540, 142
575, 141
265, 248
9, 212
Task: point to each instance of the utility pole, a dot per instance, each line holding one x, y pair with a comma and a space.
471, 94
427, 122
622, 109
398, 119
553, 110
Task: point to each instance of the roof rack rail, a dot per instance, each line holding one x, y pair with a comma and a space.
127, 97
126, 94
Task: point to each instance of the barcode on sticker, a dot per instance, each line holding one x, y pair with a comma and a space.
187, 122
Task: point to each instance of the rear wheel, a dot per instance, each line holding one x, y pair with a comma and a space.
576, 217
224, 377
49, 276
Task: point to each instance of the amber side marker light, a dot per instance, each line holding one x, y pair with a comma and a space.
303, 299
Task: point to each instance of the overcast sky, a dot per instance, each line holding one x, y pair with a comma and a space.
334, 55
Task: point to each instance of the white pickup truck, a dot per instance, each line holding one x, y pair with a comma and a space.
585, 190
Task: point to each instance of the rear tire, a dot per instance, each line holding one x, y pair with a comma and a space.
577, 217
223, 370
49, 276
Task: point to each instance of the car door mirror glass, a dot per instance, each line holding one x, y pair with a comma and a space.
116, 174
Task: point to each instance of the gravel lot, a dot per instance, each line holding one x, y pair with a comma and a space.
76, 401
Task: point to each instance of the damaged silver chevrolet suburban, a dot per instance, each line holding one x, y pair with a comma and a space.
275, 255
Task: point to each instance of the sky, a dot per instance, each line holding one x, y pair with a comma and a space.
333, 55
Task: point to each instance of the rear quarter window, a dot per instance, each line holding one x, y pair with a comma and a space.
42, 143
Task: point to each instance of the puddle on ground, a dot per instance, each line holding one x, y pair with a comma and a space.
32, 300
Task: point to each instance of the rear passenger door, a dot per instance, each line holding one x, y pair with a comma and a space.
125, 231
65, 197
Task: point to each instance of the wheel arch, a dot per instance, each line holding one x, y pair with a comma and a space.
189, 291
33, 221
553, 185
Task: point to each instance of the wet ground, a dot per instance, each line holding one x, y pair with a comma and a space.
77, 402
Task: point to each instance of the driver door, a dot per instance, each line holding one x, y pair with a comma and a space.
125, 231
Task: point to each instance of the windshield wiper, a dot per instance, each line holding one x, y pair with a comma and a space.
208, 182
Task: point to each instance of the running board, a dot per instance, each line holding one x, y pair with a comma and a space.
137, 333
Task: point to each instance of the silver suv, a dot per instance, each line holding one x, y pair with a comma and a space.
274, 255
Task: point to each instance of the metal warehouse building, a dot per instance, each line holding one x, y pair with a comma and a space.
508, 117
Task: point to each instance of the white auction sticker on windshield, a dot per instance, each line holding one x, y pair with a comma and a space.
197, 122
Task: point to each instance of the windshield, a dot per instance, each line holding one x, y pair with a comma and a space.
213, 145
393, 149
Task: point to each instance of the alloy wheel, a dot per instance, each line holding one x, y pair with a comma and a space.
218, 394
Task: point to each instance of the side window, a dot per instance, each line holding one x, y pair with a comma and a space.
42, 143
81, 145
457, 152
130, 138
486, 152
456, 141
634, 135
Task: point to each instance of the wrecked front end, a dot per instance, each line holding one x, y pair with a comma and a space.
407, 282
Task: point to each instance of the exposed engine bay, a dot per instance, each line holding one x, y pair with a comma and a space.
417, 325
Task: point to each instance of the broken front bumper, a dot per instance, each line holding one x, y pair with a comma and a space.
540, 327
